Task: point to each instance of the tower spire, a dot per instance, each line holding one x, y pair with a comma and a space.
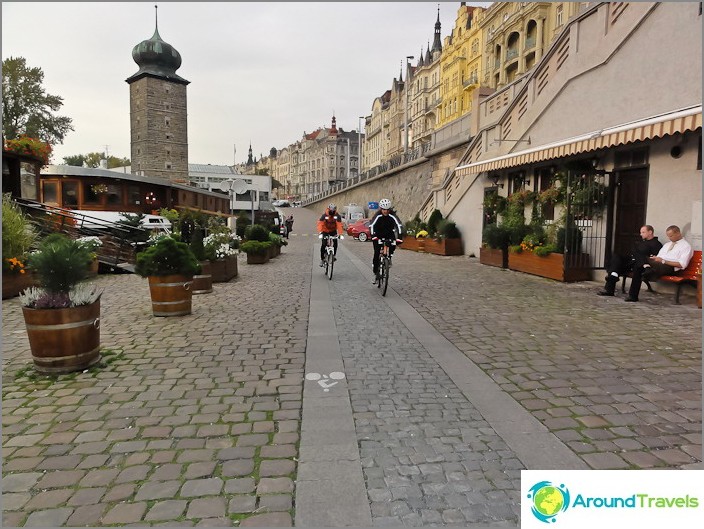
156, 21
437, 42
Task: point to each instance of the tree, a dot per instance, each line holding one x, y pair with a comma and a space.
26, 107
92, 159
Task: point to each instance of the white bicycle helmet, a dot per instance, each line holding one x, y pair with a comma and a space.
385, 203
332, 207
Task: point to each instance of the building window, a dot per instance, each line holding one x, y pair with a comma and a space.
69, 194
114, 194
558, 16
133, 195
50, 192
167, 165
168, 136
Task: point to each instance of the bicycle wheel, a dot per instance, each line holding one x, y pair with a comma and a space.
385, 277
380, 273
326, 263
331, 264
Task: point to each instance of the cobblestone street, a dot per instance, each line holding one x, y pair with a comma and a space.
418, 409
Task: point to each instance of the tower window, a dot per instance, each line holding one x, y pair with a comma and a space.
167, 165
168, 136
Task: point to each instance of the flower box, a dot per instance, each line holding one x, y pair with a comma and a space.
551, 266
444, 246
257, 258
13, 284
222, 270
493, 257
411, 243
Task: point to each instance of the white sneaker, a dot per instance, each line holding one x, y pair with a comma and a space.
322, 264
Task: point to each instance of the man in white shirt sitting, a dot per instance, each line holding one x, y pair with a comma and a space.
672, 257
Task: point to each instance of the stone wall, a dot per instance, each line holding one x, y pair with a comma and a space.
159, 128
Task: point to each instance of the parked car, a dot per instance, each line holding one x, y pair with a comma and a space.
281, 203
360, 229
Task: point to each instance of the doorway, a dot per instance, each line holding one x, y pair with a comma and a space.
631, 201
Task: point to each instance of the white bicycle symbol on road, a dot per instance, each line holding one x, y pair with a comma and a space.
326, 381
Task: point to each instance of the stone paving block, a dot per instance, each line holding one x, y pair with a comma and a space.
48, 499
242, 504
157, 490
237, 452
238, 467
13, 501
48, 518
134, 473
88, 496
20, 482
275, 519
276, 467
201, 487
166, 510
124, 513
240, 485
274, 486
120, 492
87, 515
253, 440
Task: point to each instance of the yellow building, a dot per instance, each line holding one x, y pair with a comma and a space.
461, 64
517, 34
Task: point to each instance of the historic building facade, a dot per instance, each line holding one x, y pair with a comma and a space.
158, 112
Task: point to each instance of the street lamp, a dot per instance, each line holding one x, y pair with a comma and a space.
405, 145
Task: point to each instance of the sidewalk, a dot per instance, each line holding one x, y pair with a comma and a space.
442, 392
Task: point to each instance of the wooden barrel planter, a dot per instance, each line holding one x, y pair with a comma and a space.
203, 282
64, 340
171, 295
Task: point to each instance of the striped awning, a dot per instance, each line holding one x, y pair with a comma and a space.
655, 127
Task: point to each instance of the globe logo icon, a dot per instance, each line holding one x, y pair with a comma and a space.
548, 500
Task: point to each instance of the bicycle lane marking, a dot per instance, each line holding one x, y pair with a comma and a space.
330, 488
528, 438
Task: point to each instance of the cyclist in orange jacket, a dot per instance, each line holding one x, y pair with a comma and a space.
329, 223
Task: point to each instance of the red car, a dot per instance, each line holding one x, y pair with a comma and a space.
360, 229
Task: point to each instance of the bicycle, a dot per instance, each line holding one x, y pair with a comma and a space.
329, 261
382, 277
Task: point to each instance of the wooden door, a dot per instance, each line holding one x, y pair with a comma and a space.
631, 200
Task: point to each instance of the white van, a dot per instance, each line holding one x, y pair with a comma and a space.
351, 213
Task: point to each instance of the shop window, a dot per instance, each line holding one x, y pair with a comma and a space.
133, 195
90, 193
69, 194
50, 192
114, 194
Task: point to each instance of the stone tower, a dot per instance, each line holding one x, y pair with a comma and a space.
158, 116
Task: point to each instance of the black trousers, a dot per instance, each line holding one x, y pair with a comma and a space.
377, 251
655, 270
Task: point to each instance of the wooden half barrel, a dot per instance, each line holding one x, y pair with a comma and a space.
203, 282
64, 340
171, 295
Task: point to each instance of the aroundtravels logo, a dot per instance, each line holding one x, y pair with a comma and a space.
548, 500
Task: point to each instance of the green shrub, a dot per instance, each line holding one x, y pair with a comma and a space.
256, 232
569, 239
435, 218
448, 229
495, 236
542, 251
255, 247
517, 233
60, 263
278, 240
167, 257
18, 235
197, 243
241, 224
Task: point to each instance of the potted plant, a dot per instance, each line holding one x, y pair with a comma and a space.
92, 244
18, 236
169, 266
257, 251
62, 315
221, 249
447, 239
202, 282
494, 249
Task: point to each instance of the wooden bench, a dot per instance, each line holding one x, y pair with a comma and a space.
686, 276
683, 277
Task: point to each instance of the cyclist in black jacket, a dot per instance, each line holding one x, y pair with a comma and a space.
384, 225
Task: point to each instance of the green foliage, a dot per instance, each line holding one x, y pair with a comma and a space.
169, 214
255, 247
18, 235
137, 233
197, 243
433, 220
256, 232
243, 220
517, 233
496, 237
26, 107
542, 251
167, 257
569, 239
60, 263
448, 229
494, 204
278, 240
93, 159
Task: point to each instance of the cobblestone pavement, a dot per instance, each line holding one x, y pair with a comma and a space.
619, 383
195, 421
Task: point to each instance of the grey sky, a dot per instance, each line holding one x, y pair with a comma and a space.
263, 71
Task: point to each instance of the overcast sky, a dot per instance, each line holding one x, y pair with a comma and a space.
263, 72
